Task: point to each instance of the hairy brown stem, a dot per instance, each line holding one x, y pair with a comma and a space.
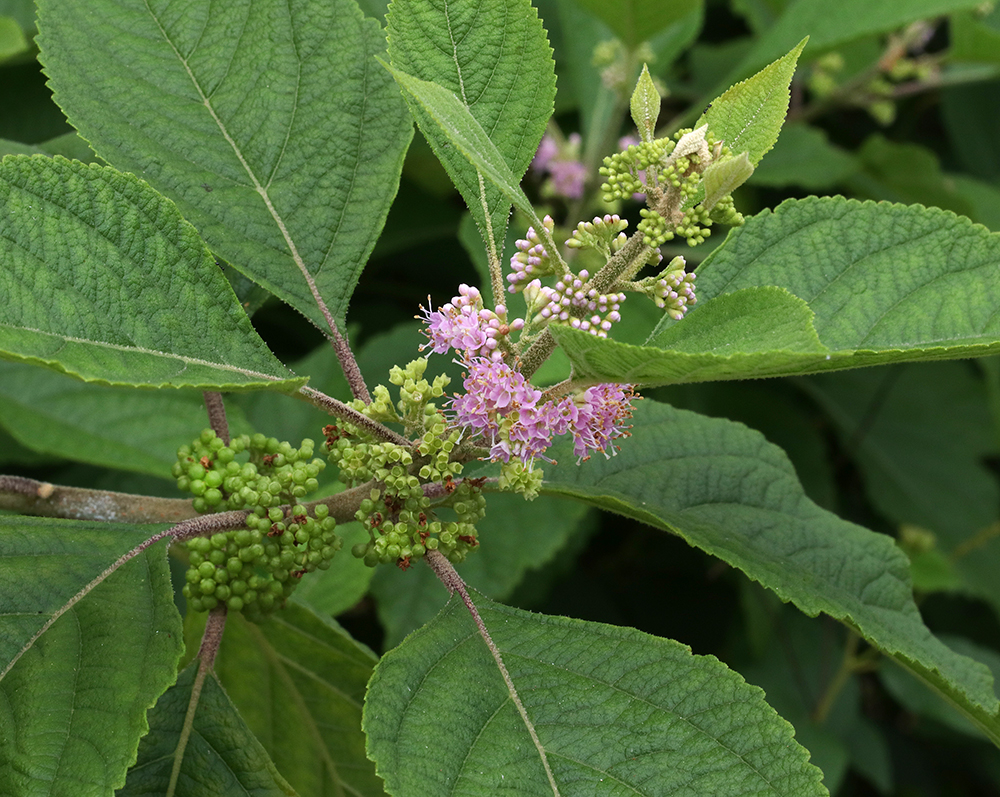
340, 410
347, 362
217, 415
210, 642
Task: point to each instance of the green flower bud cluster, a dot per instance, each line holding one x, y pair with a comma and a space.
602, 234
725, 212
254, 570
622, 169
654, 228
517, 477
275, 474
401, 520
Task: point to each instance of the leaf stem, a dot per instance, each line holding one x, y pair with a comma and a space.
210, 642
217, 414
453, 582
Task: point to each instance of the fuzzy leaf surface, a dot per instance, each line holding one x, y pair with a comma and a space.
884, 284
614, 710
723, 488
272, 126
222, 756
748, 117
105, 281
495, 58
298, 681
74, 692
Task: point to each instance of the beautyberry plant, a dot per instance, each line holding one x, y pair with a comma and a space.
229, 171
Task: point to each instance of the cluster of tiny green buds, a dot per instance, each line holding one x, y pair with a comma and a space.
654, 228
604, 235
276, 473
517, 477
402, 525
623, 171
401, 520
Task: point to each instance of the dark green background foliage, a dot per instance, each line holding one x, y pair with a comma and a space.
910, 451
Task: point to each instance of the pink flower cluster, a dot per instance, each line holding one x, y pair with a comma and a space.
501, 406
466, 326
568, 175
569, 293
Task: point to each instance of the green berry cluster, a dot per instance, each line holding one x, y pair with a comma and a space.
621, 170
401, 520
275, 474
255, 569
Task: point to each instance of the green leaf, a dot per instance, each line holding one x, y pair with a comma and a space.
748, 117
273, 128
725, 176
105, 281
75, 683
496, 60
101, 425
517, 536
447, 122
636, 21
298, 681
885, 284
723, 488
614, 710
222, 756
804, 156
975, 37
13, 42
754, 331
645, 105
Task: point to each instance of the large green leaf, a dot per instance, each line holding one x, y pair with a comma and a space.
495, 58
103, 279
298, 681
272, 126
75, 683
748, 116
516, 535
100, 425
615, 710
635, 21
222, 757
726, 490
883, 283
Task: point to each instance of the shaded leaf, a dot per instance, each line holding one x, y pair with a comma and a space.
100, 425
804, 156
614, 710
636, 21
298, 681
222, 756
724, 489
271, 127
75, 684
105, 281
